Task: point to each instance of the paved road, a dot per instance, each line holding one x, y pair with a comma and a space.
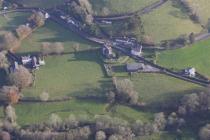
78, 30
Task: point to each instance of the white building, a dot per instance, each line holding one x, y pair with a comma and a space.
136, 50
190, 72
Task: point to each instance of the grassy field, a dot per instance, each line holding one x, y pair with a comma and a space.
119, 6
12, 20
168, 22
53, 33
194, 56
41, 3
202, 8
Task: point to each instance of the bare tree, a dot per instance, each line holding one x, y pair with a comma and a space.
21, 78
126, 92
76, 47
52, 48
44, 96
8, 41
54, 120
85, 4
4, 135
3, 60
204, 133
57, 48
10, 115
9, 94
23, 31
37, 18
45, 48
100, 135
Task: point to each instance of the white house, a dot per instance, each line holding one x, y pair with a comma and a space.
190, 72
136, 50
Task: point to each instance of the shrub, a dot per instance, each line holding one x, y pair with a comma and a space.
44, 96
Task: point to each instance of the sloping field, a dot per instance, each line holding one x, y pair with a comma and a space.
40, 3
119, 6
168, 22
202, 9
195, 56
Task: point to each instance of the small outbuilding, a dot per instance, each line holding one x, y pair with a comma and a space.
135, 67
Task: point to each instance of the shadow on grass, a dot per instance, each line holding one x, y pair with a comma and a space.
169, 101
15, 21
63, 35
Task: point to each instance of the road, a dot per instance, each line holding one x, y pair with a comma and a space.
73, 26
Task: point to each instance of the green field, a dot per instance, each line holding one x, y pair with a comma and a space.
119, 6
41, 3
12, 20
202, 9
78, 74
196, 56
168, 22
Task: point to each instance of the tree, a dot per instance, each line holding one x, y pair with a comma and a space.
76, 47
4, 135
191, 102
105, 11
3, 60
9, 94
10, 115
116, 137
44, 96
45, 48
81, 9
159, 122
37, 18
23, 31
8, 41
125, 91
57, 48
21, 78
85, 4
51, 48
54, 120
100, 135
204, 133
